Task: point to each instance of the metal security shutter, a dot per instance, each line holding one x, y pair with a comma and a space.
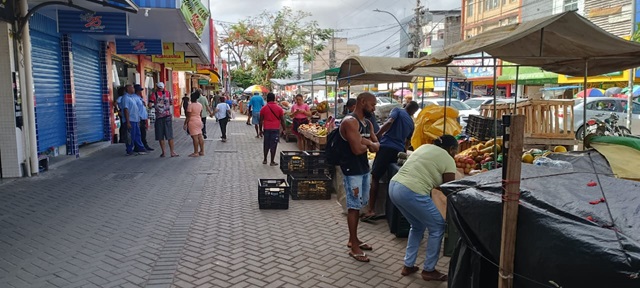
86, 77
47, 77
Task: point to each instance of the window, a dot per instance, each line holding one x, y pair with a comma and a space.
490, 4
570, 5
469, 8
604, 105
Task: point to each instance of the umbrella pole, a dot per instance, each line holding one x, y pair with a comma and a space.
495, 113
446, 76
584, 102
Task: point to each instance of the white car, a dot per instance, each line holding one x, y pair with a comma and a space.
463, 109
477, 102
384, 106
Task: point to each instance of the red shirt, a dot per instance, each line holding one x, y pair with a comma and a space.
271, 115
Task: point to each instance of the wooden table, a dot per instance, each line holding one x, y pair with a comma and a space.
313, 142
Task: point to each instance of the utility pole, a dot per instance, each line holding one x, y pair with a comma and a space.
332, 53
313, 59
418, 31
228, 82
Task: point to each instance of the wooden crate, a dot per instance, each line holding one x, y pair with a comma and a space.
542, 117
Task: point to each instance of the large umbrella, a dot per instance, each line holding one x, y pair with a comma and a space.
612, 91
256, 89
591, 92
636, 90
402, 92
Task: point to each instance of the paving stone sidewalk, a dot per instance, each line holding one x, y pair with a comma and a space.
108, 220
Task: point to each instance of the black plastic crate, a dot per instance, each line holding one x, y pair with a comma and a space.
398, 224
317, 163
273, 194
293, 162
482, 127
316, 187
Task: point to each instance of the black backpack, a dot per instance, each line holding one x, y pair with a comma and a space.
334, 147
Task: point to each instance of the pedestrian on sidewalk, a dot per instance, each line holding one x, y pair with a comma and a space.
122, 130
144, 117
206, 110
223, 114
185, 103
193, 124
256, 102
395, 137
162, 101
357, 131
271, 122
300, 112
131, 103
427, 167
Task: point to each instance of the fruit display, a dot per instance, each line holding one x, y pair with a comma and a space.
322, 107
532, 155
284, 104
313, 129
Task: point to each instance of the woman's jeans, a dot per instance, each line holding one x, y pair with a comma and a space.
422, 214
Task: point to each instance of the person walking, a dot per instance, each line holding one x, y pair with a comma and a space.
358, 137
427, 167
144, 117
301, 113
256, 103
193, 124
162, 102
271, 122
395, 137
248, 112
185, 103
131, 103
223, 114
206, 110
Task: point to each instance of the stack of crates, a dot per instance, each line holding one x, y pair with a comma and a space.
308, 174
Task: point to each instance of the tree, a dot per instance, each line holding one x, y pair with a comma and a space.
242, 78
269, 38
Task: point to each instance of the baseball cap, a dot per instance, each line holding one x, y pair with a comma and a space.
137, 87
160, 85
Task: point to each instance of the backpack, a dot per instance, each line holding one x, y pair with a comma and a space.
334, 147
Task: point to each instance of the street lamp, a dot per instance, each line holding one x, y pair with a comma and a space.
394, 17
414, 39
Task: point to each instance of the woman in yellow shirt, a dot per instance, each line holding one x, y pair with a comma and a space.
410, 190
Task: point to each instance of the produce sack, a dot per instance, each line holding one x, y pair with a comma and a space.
430, 123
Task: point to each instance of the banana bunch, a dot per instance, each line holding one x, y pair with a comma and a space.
322, 132
322, 107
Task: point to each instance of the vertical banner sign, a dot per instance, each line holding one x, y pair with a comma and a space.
92, 23
196, 15
139, 46
167, 48
6, 11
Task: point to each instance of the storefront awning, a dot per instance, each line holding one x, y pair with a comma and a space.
528, 76
212, 76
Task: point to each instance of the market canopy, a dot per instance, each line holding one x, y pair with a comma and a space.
560, 43
360, 70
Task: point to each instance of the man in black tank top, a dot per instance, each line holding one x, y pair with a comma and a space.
358, 132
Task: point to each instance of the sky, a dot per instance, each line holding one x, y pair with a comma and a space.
370, 30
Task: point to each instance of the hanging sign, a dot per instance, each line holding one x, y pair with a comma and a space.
178, 57
6, 11
187, 65
167, 48
203, 82
196, 14
139, 46
92, 23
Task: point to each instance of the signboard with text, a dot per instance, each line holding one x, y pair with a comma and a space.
108, 23
196, 14
187, 65
139, 46
177, 57
473, 67
167, 48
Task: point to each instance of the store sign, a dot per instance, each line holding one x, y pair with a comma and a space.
167, 48
209, 67
93, 23
178, 57
196, 15
187, 65
7, 11
203, 82
139, 46
475, 67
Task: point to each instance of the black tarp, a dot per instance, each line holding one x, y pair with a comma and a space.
556, 243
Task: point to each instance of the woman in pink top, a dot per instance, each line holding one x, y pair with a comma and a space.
193, 124
300, 111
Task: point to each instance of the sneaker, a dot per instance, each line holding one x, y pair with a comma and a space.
129, 154
141, 153
204, 136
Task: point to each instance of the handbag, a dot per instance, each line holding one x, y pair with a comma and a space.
228, 111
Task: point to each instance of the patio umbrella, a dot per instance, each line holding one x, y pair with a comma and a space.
612, 91
256, 89
401, 92
636, 90
591, 92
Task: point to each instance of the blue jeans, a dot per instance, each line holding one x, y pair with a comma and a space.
136, 138
422, 214
363, 184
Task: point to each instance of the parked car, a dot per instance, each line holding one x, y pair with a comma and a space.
384, 106
600, 108
463, 109
476, 102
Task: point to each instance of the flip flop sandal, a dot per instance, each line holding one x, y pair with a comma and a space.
359, 257
192, 155
363, 246
175, 155
161, 155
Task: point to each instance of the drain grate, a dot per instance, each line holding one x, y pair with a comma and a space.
124, 176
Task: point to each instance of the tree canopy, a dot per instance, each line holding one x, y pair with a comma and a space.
262, 43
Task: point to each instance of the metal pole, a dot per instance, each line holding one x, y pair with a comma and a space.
422, 105
30, 114
313, 59
632, 72
446, 76
584, 101
495, 113
515, 102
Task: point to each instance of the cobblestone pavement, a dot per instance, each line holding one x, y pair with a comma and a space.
108, 220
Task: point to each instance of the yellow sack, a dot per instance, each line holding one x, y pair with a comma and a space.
429, 124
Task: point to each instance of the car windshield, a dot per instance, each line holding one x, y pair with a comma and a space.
456, 104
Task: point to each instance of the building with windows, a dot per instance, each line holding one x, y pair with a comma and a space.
336, 50
481, 15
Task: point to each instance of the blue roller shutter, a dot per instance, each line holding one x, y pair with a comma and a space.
86, 77
47, 78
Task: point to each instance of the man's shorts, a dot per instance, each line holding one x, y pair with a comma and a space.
255, 118
384, 157
363, 184
164, 128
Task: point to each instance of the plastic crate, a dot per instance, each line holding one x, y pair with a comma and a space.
293, 162
273, 194
317, 163
482, 127
317, 187
398, 224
